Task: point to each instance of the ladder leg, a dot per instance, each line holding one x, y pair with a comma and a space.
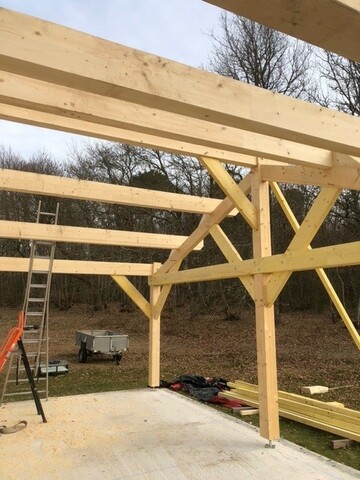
35, 393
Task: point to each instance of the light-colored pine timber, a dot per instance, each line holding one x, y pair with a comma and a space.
105, 132
320, 271
313, 389
331, 24
251, 411
340, 177
51, 185
332, 407
133, 293
231, 255
342, 255
326, 416
20, 91
78, 267
164, 293
231, 190
97, 236
264, 315
17, 91
341, 443
303, 236
202, 230
95, 65
154, 336
341, 160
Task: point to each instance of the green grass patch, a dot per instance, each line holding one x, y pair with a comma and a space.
314, 440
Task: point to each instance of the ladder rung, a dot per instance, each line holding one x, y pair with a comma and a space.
33, 340
23, 380
34, 354
41, 242
38, 285
22, 370
51, 214
40, 272
34, 314
36, 299
29, 392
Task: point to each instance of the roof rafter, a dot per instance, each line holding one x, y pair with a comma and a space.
19, 91
96, 236
78, 267
105, 132
54, 186
330, 24
133, 76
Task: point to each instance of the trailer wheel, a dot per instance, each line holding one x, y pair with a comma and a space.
82, 355
117, 358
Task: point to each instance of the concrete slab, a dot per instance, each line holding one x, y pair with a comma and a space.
147, 435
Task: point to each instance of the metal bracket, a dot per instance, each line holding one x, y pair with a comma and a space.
270, 444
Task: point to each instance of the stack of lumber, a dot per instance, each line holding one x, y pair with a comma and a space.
329, 416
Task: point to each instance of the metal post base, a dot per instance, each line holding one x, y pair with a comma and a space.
270, 444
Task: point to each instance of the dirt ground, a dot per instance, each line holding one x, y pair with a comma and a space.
311, 350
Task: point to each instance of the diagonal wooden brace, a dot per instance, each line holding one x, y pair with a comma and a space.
303, 237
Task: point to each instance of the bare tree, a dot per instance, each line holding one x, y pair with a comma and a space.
342, 79
255, 54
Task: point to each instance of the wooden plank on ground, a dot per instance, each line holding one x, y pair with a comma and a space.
341, 443
325, 416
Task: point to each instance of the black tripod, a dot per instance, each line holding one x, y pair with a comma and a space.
34, 391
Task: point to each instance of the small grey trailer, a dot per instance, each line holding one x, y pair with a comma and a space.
101, 341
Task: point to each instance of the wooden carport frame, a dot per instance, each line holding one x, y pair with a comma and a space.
55, 77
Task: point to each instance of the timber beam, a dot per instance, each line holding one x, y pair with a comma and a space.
95, 236
231, 190
107, 69
133, 293
114, 134
131, 121
341, 177
264, 314
343, 255
320, 271
50, 185
203, 229
231, 255
76, 267
303, 237
330, 24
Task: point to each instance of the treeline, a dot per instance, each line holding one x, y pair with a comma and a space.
244, 51
132, 166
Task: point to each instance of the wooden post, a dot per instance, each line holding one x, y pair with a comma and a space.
265, 318
154, 335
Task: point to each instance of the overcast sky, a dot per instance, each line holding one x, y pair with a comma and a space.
175, 29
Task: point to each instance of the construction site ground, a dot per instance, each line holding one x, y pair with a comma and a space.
311, 350
148, 434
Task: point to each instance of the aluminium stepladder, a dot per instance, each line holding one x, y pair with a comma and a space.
35, 337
